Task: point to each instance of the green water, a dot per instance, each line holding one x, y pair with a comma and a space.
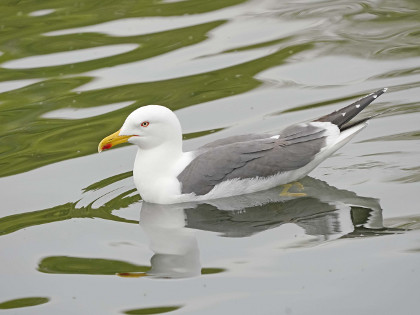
74, 234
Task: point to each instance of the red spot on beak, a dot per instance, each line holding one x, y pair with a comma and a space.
107, 146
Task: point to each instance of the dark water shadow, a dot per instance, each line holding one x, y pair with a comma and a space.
23, 302
67, 211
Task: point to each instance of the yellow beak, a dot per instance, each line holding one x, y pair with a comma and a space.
112, 140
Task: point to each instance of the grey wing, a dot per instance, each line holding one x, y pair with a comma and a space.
296, 146
235, 139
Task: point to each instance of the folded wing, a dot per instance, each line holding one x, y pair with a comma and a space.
293, 148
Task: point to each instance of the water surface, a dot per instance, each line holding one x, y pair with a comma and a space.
75, 236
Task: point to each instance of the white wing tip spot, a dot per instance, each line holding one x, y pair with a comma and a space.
375, 96
343, 114
357, 105
385, 89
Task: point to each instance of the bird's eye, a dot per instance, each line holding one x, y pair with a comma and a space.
145, 124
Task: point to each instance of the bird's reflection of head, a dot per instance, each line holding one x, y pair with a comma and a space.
175, 247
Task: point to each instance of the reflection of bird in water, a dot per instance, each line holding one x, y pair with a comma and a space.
325, 213
175, 247
230, 166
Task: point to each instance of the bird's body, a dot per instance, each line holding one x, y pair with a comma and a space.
236, 165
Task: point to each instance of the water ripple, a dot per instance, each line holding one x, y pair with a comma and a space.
69, 57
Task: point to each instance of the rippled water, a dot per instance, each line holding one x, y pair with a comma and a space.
74, 234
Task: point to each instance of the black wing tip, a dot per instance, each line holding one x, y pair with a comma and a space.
378, 93
366, 100
344, 115
365, 120
383, 90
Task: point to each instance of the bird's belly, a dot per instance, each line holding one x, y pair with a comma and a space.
236, 187
161, 190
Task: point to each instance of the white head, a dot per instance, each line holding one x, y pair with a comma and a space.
147, 127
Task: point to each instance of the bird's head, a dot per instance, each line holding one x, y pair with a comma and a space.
147, 127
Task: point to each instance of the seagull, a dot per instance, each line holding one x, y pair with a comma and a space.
231, 166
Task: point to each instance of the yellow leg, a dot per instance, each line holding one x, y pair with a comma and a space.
285, 192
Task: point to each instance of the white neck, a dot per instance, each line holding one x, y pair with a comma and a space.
155, 172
